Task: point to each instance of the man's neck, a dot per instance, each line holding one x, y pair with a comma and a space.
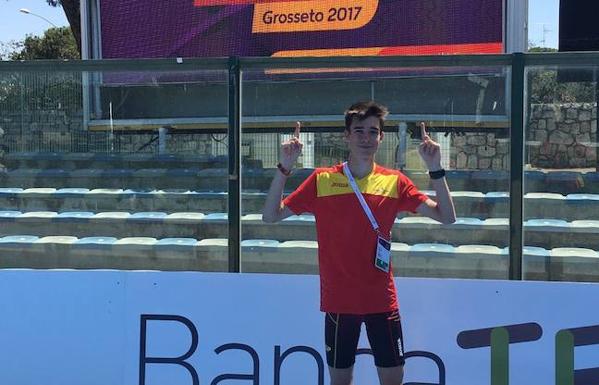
360, 167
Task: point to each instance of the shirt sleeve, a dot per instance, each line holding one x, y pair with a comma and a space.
303, 198
409, 195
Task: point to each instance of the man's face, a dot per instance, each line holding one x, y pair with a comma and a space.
364, 136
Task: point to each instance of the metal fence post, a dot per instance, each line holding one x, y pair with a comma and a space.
516, 166
234, 144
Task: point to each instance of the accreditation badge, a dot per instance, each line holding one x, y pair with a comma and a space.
383, 254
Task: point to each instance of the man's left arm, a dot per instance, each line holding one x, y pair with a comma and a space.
443, 209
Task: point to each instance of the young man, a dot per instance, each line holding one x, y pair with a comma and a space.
355, 205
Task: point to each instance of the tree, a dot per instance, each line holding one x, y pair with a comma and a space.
72, 10
7, 48
57, 43
544, 87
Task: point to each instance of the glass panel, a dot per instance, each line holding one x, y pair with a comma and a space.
561, 202
123, 170
465, 110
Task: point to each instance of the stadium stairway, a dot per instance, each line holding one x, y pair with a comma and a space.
547, 233
138, 211
468, 203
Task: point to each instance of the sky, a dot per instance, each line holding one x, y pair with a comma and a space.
14, 25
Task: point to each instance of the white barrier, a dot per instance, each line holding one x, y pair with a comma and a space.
85, 327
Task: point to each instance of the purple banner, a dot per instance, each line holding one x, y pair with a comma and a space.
217, 28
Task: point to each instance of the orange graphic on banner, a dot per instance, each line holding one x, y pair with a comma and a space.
212, 3
441, 49
323, 15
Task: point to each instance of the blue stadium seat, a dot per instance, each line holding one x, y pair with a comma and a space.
474, 250
466, 194
432, 249
262, 244
111, 215
498, 196
39, 190
10, 191
544, 195
72, 191
219, 217
463, 222
73, 217
37, 215
9, 215
585, 225
303, 218
546, 224
581, 198
106, 191
56, 239
573, 252
534, 251
20, 240
184, 217
135, 242
176, 243
147, 216
95, 242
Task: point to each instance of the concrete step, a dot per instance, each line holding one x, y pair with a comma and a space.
546, 233
296, 257
468, 203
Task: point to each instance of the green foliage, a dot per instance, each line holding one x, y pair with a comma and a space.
57, 43
8, 47
544, 86
42, 91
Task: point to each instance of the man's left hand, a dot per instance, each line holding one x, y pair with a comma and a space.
429, 150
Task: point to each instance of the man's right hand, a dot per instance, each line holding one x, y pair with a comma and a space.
291, 149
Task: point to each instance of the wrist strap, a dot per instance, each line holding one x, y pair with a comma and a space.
437, 174
283, 170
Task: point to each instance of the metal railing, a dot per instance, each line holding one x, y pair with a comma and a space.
516, 64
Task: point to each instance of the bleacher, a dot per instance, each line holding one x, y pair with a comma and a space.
85, 210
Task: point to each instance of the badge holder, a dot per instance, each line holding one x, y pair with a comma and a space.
383, 254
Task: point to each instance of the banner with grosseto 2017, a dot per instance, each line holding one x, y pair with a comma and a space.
216, 28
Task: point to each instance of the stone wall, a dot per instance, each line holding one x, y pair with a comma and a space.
562, 136
557, 136
479, 151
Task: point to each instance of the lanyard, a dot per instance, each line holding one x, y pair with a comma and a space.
354, 186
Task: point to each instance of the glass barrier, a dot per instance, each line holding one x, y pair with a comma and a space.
561, 175
467, 113
125, 164
114, 169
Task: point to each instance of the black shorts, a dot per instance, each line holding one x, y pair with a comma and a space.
342, 332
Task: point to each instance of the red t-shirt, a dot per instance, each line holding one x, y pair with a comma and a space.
349, 281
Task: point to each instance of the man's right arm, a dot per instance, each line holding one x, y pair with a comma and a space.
274, 210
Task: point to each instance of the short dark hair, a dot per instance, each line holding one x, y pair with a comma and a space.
363, 110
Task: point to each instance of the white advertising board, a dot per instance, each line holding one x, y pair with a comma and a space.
159, 328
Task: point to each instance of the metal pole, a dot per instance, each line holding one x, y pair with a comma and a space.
516, 166
234, 142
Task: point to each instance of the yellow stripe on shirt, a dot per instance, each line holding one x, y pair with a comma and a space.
334, 183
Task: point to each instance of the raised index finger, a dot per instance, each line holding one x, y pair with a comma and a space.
296, 133
423, 133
